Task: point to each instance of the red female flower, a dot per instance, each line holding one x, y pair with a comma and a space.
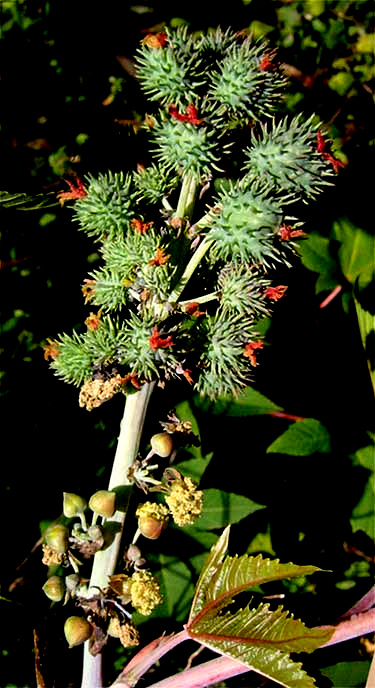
250, 351
156, 40
77, 190
139, 226
190, 116
321, 148
92, 322
276, 293
157, 341
51, 349
287, 232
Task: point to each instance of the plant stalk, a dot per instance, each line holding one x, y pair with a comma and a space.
105, 560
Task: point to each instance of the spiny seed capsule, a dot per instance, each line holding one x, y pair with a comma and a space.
162, 444
103, 503
77, 630
73, 505
54, 588
56, 537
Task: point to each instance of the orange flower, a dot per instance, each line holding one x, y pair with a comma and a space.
156, 40
93, 321
287, 232
51, 349
157, 341
88, 289
250, 350
192, 309
77, 190
160, 258
139, 226
276, 293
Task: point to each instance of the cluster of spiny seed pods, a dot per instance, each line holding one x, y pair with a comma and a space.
191, 241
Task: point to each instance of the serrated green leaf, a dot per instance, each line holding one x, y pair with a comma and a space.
302, 439
259, 637
22, 201
214, 559
194, 468
275, 629
248, 403
222, 508
356, 253
238, 574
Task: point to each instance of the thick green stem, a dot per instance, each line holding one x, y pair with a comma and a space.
188, 195
105, 560
189, 270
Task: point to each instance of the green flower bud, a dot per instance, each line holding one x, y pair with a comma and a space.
103, 503
56, 537
77, 629
54, 588
73, 505
162, 444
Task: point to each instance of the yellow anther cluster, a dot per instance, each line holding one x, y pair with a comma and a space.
145, 592
184, 501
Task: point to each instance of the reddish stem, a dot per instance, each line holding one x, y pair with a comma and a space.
286, 416
331, 296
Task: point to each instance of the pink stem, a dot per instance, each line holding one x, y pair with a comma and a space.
286, 416
331, 296
147, 657
204, 674
358, 624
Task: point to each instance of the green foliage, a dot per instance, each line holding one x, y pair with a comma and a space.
223, 508
302, 439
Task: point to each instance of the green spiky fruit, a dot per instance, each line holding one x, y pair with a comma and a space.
241, 87
185, 148
246, 226
285, 159
107, 209
166, 68
225, 370
154, 182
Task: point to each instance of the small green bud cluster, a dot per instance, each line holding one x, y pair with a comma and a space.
212, 94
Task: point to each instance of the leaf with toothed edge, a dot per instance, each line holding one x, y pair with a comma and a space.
259, 637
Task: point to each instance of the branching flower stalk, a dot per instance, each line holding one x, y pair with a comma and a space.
209, 219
